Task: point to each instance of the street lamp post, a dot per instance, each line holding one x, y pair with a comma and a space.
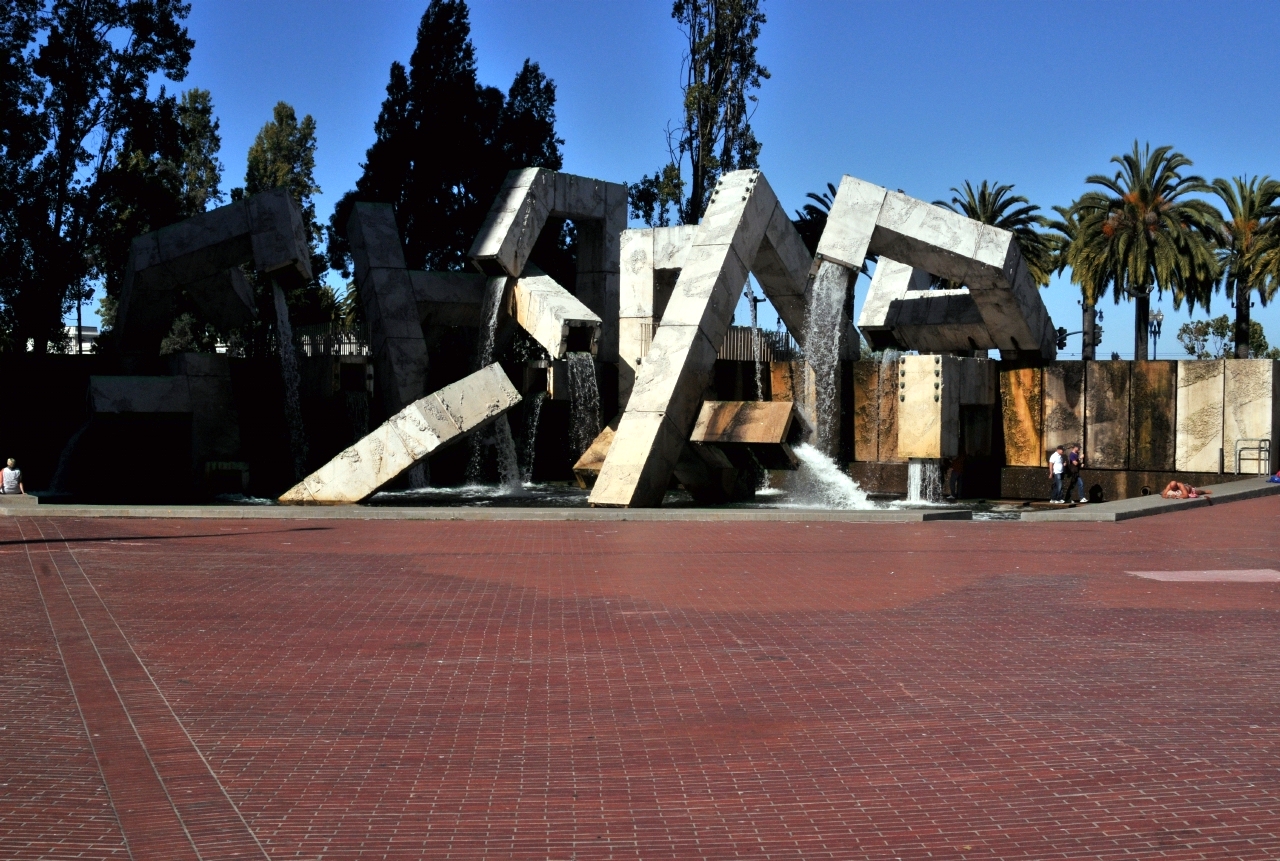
1156, 319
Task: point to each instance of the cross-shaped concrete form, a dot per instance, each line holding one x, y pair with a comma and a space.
203, 256
744, 230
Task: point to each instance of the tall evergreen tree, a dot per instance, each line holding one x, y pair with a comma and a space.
77, 72
721, 76
443, 143
283, 155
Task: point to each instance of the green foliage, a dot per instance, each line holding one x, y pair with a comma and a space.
1252, 208
1142, 233
721, 76
443, 144
994, 204
283, 155
165, 169
811, 219
1212, 339
1092, 284
75, 85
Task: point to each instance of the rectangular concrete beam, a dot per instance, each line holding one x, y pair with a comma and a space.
199, 254
408, 438
743, 422
547, 311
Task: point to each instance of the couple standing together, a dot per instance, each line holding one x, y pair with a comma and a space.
1066, 466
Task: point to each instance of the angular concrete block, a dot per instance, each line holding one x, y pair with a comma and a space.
782, 267
707, 291
279, 237
640, 462
375, 238
928, 406
407, 438
671, 244
850, 223
1107, 415
1064, 405
1199, 415
1153, 399
1249, 408
200, 253
514, 221
635, 286
1022, 410
675, 375
578, 197
547, 311
742, 422
587, 468
448, 298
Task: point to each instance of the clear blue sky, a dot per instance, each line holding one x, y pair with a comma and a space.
917, 96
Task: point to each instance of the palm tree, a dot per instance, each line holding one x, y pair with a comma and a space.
994, 204
1251, 216
1146, 236
1092, 284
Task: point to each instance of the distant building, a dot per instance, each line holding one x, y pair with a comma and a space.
88, 336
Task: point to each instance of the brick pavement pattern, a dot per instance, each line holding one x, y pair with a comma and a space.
374, 689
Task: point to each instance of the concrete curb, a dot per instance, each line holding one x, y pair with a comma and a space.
1146, 506
362, 512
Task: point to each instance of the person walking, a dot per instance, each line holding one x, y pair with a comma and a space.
1056, 464
11, 478
1075, 481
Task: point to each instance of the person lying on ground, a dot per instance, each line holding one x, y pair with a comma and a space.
1178, 490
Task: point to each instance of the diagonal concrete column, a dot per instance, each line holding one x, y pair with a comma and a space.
671, 381
408, 438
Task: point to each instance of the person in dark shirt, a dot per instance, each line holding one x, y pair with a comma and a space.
1075, 482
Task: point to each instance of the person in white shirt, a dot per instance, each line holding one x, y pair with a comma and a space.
11, 478
1055, 473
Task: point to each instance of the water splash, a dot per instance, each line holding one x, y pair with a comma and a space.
924, 480
584, 402
533, 416
825, 327
289, 373
821, 483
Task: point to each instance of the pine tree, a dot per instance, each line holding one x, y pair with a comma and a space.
444, 143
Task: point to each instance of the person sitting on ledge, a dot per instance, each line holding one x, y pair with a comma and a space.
11, 478
1178, 490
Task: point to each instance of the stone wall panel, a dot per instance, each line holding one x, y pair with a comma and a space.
1153, 398
1107, 414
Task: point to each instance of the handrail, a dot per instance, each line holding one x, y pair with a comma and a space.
1259, 447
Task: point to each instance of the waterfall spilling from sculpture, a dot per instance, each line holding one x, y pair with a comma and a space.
533, 416
924, 480
819, 482
289, 375
584, 402
825, 325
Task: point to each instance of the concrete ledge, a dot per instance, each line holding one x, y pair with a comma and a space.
361, 512
1145, 506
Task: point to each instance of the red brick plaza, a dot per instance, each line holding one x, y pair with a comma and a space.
346, 689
